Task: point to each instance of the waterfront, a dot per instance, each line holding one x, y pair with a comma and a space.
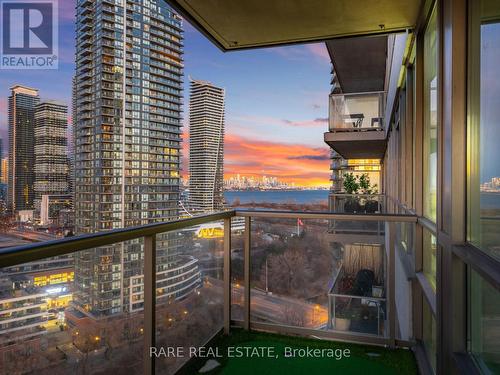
488, 200
276, 196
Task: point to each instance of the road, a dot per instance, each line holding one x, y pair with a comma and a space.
32, 235
277, 309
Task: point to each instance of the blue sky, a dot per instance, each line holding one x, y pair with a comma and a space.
276, 99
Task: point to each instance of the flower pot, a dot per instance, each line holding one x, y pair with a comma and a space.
371, 206
377, 291
342, 324
352, 206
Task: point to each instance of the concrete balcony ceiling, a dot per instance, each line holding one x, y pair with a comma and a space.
365, 143
234, 25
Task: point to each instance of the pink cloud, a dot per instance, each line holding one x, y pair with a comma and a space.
319, 50
303, 52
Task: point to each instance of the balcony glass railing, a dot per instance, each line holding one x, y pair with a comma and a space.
285, 272
356, 112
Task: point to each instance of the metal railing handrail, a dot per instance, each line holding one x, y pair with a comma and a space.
328, 215
39, 250
27, 253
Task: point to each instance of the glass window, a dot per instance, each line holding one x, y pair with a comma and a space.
484, 126
484, 324
429, 334
429, 257
430, 105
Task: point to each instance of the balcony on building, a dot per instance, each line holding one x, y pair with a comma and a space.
358, 99
356, 125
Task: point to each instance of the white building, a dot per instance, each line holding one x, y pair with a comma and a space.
206, 146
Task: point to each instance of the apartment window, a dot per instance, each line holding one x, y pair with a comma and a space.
430, 105
484, 178
429, 247
484, 127
483, 324
429, 334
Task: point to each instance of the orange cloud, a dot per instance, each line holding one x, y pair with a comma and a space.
301, 164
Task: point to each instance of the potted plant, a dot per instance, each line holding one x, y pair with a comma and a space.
371, 205
342, 317
351, 187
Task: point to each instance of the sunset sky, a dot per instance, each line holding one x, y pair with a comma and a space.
276, 101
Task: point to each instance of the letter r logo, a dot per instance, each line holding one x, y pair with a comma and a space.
28, 28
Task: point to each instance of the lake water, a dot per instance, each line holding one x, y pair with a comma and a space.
277, 196
488, 200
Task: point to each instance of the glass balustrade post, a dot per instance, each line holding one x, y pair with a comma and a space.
392, 283
149, 302
246, 260
227, 275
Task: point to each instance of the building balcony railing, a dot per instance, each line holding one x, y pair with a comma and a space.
283, 272
356, 112
356, 125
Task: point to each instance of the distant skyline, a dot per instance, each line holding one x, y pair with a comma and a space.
276, 107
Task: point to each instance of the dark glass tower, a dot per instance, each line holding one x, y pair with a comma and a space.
51, 150
22, 103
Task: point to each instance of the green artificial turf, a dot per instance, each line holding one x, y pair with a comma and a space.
388, 361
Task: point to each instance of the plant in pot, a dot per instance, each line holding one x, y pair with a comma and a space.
342, 316
351, 187
371, 205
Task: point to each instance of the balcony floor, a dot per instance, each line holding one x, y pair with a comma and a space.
363, 359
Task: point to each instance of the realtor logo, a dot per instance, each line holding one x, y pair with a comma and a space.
29, 35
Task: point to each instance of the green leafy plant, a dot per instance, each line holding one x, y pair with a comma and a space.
365, 185
351, 186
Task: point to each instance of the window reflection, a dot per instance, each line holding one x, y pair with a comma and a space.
484, 127
430, 118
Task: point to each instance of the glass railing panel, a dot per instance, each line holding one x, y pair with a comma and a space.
359, 111
189, 304
357, 203
73, 313
343, 203
303, 275
404, 271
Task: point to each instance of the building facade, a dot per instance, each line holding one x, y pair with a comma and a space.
206, 146
22, 103
128, 96
51, 150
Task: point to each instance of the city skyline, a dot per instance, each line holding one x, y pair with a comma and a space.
292, 115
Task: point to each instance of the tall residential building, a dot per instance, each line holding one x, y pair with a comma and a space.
1, 159
206, 146
22, 103
51, 150
5, 170
128, 93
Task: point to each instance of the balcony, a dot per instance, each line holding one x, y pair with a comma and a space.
273, 271
356, 129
